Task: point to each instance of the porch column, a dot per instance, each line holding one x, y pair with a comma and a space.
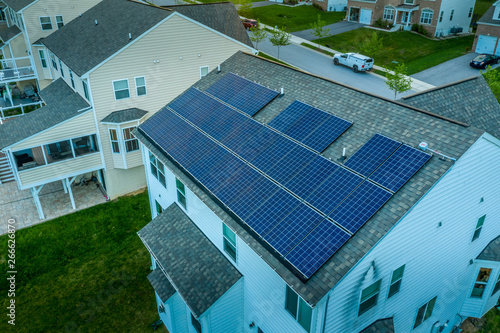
408, 20
35, 191
68, 185
65, 188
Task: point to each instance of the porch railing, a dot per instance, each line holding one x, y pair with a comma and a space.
16, 73
10, 112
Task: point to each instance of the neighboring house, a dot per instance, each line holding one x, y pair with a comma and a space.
488, 31
125, 60
332, 5
439, 17
323, 216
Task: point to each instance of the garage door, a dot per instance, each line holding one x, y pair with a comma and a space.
486, 44
365, 16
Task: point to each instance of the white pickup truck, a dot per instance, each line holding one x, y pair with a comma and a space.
356, 61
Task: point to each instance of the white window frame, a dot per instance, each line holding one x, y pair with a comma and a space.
158, 175
228, 243
137, 86
61, 66
62, 21
179, 193
471, 10
409, 2
370, 296
71, 78
50, 22
300, 303
426, 15
451, 14
85, 90
478, 227
441, 15
112, 141
53, 60
114, 90
398, 280
201, 71
482, 283
391, 10
43, 59
425, 312
127, 140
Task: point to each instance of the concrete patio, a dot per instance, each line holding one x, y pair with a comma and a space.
19, 205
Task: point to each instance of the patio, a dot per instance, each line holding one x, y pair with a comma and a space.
20, 205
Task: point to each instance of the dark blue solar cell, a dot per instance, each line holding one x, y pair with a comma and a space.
186, 150
310, 177
273, 153
164, 127
180, 103
333, 190
200, 167
307, 124
365, 201
293, 228
400, 167
272, 211
245, 95
241, 134
326, 133
233, 121
221, 172
290, 115
314, 250
238, 183
291, 164
256, 144
372, 154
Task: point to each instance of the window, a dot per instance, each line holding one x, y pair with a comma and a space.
85, 90
121, 89
229, 239
298, 308
396, 279
426, 16
53, 60
424, 312
259, 330
131, 142
46, 23
471, 10
451, 14
140, 85
59, 21
71, 78
60, 65
85, 145
481, 282
497, 285
157, 169
42, 58
115, 146
441, 16
369, 297
409, 2
159, 208
59, 151
389, 13
203, 71
196, 324
181, 193
479, 226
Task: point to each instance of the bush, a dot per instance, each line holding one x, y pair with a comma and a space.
383, 24
315, 5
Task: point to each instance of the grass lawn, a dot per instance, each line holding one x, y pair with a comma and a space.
84, 272
293, 18
482, 6
416, 52
236, 2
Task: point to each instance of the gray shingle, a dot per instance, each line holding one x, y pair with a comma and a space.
491, 251
82, 45
9, 33
123, 116
199, 272
470, 101
371, 114
380, 326
161, 285
17, 5
62, 104
488, 17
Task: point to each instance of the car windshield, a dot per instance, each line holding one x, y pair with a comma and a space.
480, 58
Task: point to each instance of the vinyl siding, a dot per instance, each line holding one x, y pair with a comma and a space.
60, 170
226, 315
18, 47
57, 74
460, 16
178, 314
124, 181
78, 126
436, 258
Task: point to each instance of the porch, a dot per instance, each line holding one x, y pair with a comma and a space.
18, 99
16, 69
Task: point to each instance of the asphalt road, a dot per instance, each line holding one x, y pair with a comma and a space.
335, 29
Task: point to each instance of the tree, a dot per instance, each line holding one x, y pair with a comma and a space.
280, 38
258, 35
245, 7
373, 46
492, 77
397, 79
318, 29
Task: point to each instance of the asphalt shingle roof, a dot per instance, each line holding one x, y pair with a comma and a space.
9, 33
470, 101
82, 45
380, 326
17, 5
491, 251
161, 285
371, 114
488, 17
62, 103
199, 272
123, 116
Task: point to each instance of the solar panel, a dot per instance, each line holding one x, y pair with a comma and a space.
305, 125
180, 103
293, 228
291, 164
270, 156
243, 94
326, 133
400, 167
236, 184
259, 142
202, 166
354, 211
312, 252
241, 134
310, 177
372, 154
221, 172
333, 190
290, 115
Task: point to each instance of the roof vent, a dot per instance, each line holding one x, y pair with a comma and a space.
282, 92
95, 22
129, 35
424, 146
218, 68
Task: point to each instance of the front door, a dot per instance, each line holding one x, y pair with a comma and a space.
405, 17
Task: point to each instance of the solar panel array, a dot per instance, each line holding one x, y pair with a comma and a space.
311, 126
241, 93
302, 205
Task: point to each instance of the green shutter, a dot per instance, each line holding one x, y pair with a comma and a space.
305, 315
430, 307
291, 301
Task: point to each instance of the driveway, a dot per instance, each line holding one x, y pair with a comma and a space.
335, 29
450, 71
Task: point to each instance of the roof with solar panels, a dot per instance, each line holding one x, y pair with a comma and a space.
310, 173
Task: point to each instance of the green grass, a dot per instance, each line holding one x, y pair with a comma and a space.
236, 2
267, 56
293, 18
84, 272
416, 52
482, 6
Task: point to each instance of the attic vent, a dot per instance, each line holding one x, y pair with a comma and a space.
95, 22
129, 35
282, 91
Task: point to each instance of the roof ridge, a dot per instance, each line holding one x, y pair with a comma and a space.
197, 4
149, 4
364, 92
440, 87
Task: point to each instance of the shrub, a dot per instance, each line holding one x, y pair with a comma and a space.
315, 5
383, 24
